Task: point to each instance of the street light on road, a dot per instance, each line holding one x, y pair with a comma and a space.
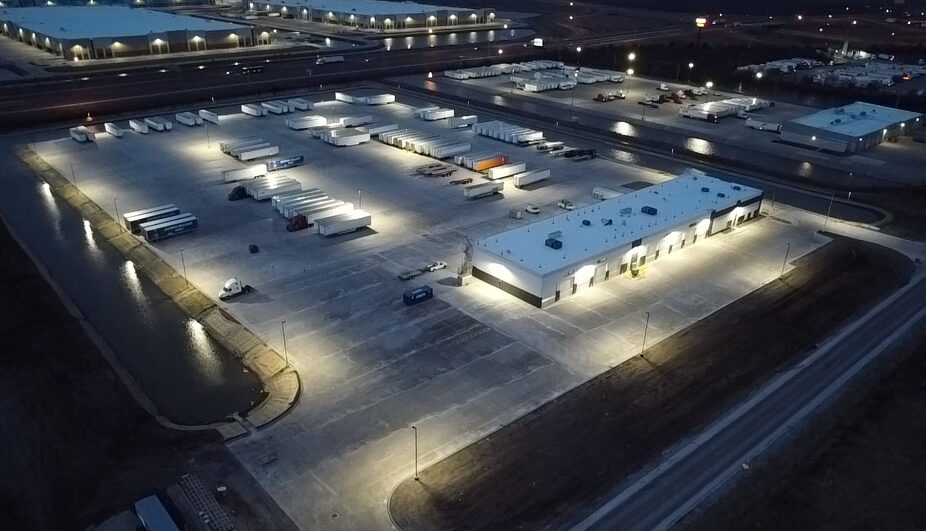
645, 328
415, 429
183, 266
785, 262
690, 67
283, 333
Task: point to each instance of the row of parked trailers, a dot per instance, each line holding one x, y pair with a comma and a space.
374, 99
87, 134
313, 207
433, 113
715, 110
510, 133
158, 223
424, 143
501, 69
247, 149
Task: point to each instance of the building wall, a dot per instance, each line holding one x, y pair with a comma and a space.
378, 21
833, 142
544, 289
133, 45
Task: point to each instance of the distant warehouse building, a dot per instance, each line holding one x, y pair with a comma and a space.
97, 32
851, 128
374, 14
549, 260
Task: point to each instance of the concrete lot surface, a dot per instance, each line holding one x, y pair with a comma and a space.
458, 366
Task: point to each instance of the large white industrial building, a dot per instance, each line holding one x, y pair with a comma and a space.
97, 32
850, 128
374, 14
545, 261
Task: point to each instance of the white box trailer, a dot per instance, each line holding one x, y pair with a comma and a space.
113, 129
227, 147
165, 228
451, 150
300, 104
340, 207
530, 177
439, 114
341, 96
282, 186
376, 99
133, 219
209, 116
483, 189
293, 196
763, 126
463, 121
346, 137
139, 126
378, 129
275, 107
159, 124
419, 111
284, 202
602, 193
310, 211
79, 134
506, 170
253, 109
344, 223
306, 122
354, 121
246, 146
290, 210
188, 119
254, 154
242, 174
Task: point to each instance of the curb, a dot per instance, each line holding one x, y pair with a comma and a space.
280, 382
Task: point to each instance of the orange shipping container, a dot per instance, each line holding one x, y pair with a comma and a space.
486, 164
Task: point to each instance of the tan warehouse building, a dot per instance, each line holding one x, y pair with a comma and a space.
374, 14
98, 32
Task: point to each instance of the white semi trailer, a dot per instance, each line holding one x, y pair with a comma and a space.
209, 116
139, 126
344, 223
188, 119
258, 153
252, 109
113, 129
242, 174
159, 124
529, 177
506, 170
483, 189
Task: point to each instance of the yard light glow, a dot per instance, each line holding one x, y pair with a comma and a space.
758, 75
630, 71
701, 22
631, 56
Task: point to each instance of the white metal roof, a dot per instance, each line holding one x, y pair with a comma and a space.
857, 119
88, 22
363, 7
677, 201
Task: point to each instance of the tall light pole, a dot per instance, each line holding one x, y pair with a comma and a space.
690, 67
183, 265
700, 23
785, 262
283, 333
645, 328
828, 210
415, 429
116, 206
758, 78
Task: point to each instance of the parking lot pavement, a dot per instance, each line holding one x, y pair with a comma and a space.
458, 366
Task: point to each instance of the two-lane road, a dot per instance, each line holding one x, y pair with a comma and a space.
699, 467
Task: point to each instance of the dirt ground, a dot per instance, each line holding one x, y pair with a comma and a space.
76, 446
551, 466
861, 466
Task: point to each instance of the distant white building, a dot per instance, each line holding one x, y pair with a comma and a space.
850, 128
546, 261
373, 14
98, 32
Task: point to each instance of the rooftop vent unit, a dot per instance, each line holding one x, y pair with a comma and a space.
607, 221
737, 187
626, 211
721, 194
586, 223
705, 189
553, 243
649, 210
555, 234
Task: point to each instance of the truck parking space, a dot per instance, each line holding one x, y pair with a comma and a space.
458, 365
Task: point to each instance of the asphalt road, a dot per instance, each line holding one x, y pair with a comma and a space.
103, 90
702, 465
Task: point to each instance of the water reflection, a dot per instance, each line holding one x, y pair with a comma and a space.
204, 354
131, 281
91, 242
52, 206
624, 129
699, 145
